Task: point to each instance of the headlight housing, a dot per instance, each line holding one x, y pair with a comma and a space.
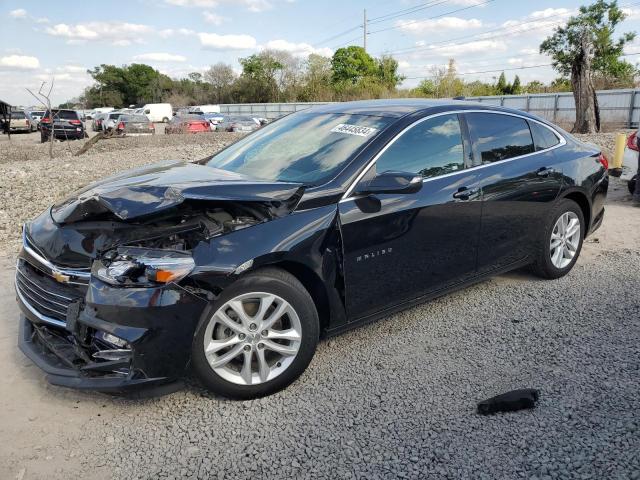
135, 266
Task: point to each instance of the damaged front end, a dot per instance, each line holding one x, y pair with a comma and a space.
103, 279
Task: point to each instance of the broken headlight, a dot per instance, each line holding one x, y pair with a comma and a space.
142, 266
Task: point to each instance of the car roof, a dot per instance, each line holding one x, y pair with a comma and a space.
399, 107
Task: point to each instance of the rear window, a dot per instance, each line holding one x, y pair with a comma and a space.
135, 118
18, 115
113, 116
496, 137
543, 137
64, 114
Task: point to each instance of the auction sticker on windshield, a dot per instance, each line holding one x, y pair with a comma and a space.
353, 130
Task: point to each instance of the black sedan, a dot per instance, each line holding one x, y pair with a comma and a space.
234, 266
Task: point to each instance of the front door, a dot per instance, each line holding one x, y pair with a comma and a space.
398, 247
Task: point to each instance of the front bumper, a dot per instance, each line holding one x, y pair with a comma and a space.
42, 348
157, 325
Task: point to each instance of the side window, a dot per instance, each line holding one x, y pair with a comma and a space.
496, 137
543, 138
431, 148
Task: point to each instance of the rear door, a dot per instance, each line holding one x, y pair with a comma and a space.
398, 247
519, 180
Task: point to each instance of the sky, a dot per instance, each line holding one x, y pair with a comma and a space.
45, 40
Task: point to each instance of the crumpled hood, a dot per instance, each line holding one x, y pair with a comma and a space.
143, 191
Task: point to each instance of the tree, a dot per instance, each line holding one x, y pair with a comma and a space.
534, 86
585, 48
221, 77
503, 87
427, 88
257, 83
516, 88
316, 83
388, 72
351, 64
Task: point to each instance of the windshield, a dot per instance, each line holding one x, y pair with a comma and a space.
302, 147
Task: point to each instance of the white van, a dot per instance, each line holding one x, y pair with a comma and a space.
204, 109
158, 112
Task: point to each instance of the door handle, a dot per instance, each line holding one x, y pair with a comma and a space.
545, 171
464, 193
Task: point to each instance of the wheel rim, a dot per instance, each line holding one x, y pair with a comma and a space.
252, 338
565, 239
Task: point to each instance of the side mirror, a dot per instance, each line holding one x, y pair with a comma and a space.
391, 182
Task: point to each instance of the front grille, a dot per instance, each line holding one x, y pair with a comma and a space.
50, 298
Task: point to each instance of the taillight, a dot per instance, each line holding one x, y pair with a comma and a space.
121, 126
46, 120
632, 142
152, 127
603, 160
75, 122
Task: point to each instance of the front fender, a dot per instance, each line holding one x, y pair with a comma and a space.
309, 238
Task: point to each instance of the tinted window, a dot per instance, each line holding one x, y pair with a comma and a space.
18, 115
498, 137
542, 136
431, 148
64, 114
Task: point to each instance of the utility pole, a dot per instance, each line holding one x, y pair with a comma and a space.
364, 26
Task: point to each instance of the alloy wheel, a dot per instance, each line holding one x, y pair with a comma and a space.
565, 239
252, 338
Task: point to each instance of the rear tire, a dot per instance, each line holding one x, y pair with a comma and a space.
254, 342
165, 120
43, 138
551, 263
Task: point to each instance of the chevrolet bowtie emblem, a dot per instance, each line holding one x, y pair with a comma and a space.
60, 277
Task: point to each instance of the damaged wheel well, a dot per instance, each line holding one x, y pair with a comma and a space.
314, 285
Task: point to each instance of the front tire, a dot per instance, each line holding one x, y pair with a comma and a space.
257, 337
561, 240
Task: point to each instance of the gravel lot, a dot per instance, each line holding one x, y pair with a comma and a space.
395, 399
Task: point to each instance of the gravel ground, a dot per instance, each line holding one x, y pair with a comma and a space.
395, 399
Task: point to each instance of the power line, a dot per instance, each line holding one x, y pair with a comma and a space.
512, 30
507, 69
406, 11
434, 17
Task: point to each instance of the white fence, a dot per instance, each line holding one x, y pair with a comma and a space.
618, 108
265, 110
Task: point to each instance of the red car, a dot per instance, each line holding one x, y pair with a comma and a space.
188, 124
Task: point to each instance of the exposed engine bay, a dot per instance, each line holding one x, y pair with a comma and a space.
185, 227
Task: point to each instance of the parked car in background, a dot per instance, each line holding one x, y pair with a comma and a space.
111, 120
238, 124
96, 122
19, 122
214, 119
188, 124
158, 112
103, 109
630, 162
36, 116
201, 109
233, 267
66, 125
135, 125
